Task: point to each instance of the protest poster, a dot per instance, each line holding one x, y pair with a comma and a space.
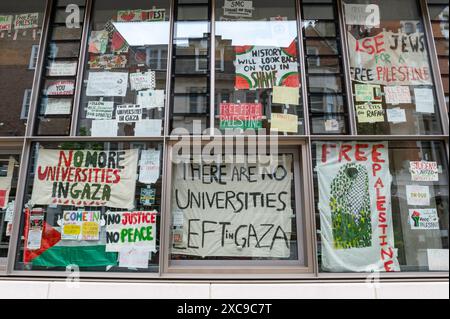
396, 115
56, 68
259, 67
149, 166
128, 113
332, 125
134, 229
148, 128
129, 15
219, 216
424, 171
107, 61
60, 87
241, 116
368, 93
438, 259
142, 81
423, 219
424, 99
34, 225
136, 258
107, 84
26, 21
154, 15
6, 175
81, 225
286, 95
367, 15
104, 128
99, 110
85, 178
418, 195
238, 8
5, 22
58, 106
397, 95
369, 113
9, 211
286, 123
150, 99
355, 207
98, 42
8, 231
389, 59
147, 196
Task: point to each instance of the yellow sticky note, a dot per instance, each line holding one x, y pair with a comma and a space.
284, 123
90, 230
71, 230
370, 113
286, 95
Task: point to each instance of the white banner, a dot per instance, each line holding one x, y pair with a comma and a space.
355, 207
85, 178
233, 210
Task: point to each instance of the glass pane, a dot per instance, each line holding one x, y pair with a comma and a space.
389, 65
20, 31
381, 206
124, 90
257, 68
94, 206
317, 28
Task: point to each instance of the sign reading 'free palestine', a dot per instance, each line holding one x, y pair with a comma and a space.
240, 116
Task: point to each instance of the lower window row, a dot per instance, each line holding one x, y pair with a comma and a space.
378, 206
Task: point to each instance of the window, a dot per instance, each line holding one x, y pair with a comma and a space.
20, 33
26, 104
393, 89
381, 206
86, 207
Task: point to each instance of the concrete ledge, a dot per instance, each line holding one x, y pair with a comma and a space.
207, 290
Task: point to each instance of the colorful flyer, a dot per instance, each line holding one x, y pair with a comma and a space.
142, 81
6, 22
423, 219
424, 171
397, 95
108, 61
147, 197
129, 15
241, 116
154, 15
26, 21
98, 42
368, 93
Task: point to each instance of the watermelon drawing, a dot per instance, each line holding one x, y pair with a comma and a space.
350, 208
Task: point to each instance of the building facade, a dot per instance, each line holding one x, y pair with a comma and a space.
220, 139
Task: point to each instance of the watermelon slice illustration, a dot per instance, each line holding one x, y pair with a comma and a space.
243, 49
243, 82
291, 50
290, 80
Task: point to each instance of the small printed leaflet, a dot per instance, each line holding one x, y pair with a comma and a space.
423, 219
142, 81
128, 113
99, 110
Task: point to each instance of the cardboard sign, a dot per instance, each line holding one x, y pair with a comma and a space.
58, 107
369, 113
286, 95
142, 81
362, 14
287, 123
147, 196
241, 116
107, 84
238, 8
149, 166
99, 110
424, 99
259, 67
7, 171
62, 68
108, 61
62, 87
357, 232
98, 42
423, 219
238, 226
128, 113
148, 128
396, 115
67, 177
104, 128
26, 21
151, 99
6, 22
131, 230
397, 95
81, 225
418, 195
424, 171
368, 93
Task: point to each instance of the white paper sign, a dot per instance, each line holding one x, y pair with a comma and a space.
128, 113
58, 107
396, 115
362, 14
424, 100
9, 214
423, 219
107, 84
26, 21
148, 128
424, 171
62, 68
104, 128
62, 87
149, 166
99, 110
397, 95
143, 81
34, 239
134, 258
331, 125
150, 99
418, 195
437, 259
238, 8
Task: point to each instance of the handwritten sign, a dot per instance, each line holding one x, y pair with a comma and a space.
5, 22
369, 113
62, 68
240, 116
238, 8
85, 178
396, 115
260, 67
128, 113
367, 93
423, 219
362, 14
61, 87
424, 171
424, 99
286, 95
142, 81
131, 230
58, 107
129, 15
107, 84
150, 99
397, 95
284, 123
149, 166
81, 225
418, 195
26, 21
99, 110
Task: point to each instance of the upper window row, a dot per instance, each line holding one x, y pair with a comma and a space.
121, 77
